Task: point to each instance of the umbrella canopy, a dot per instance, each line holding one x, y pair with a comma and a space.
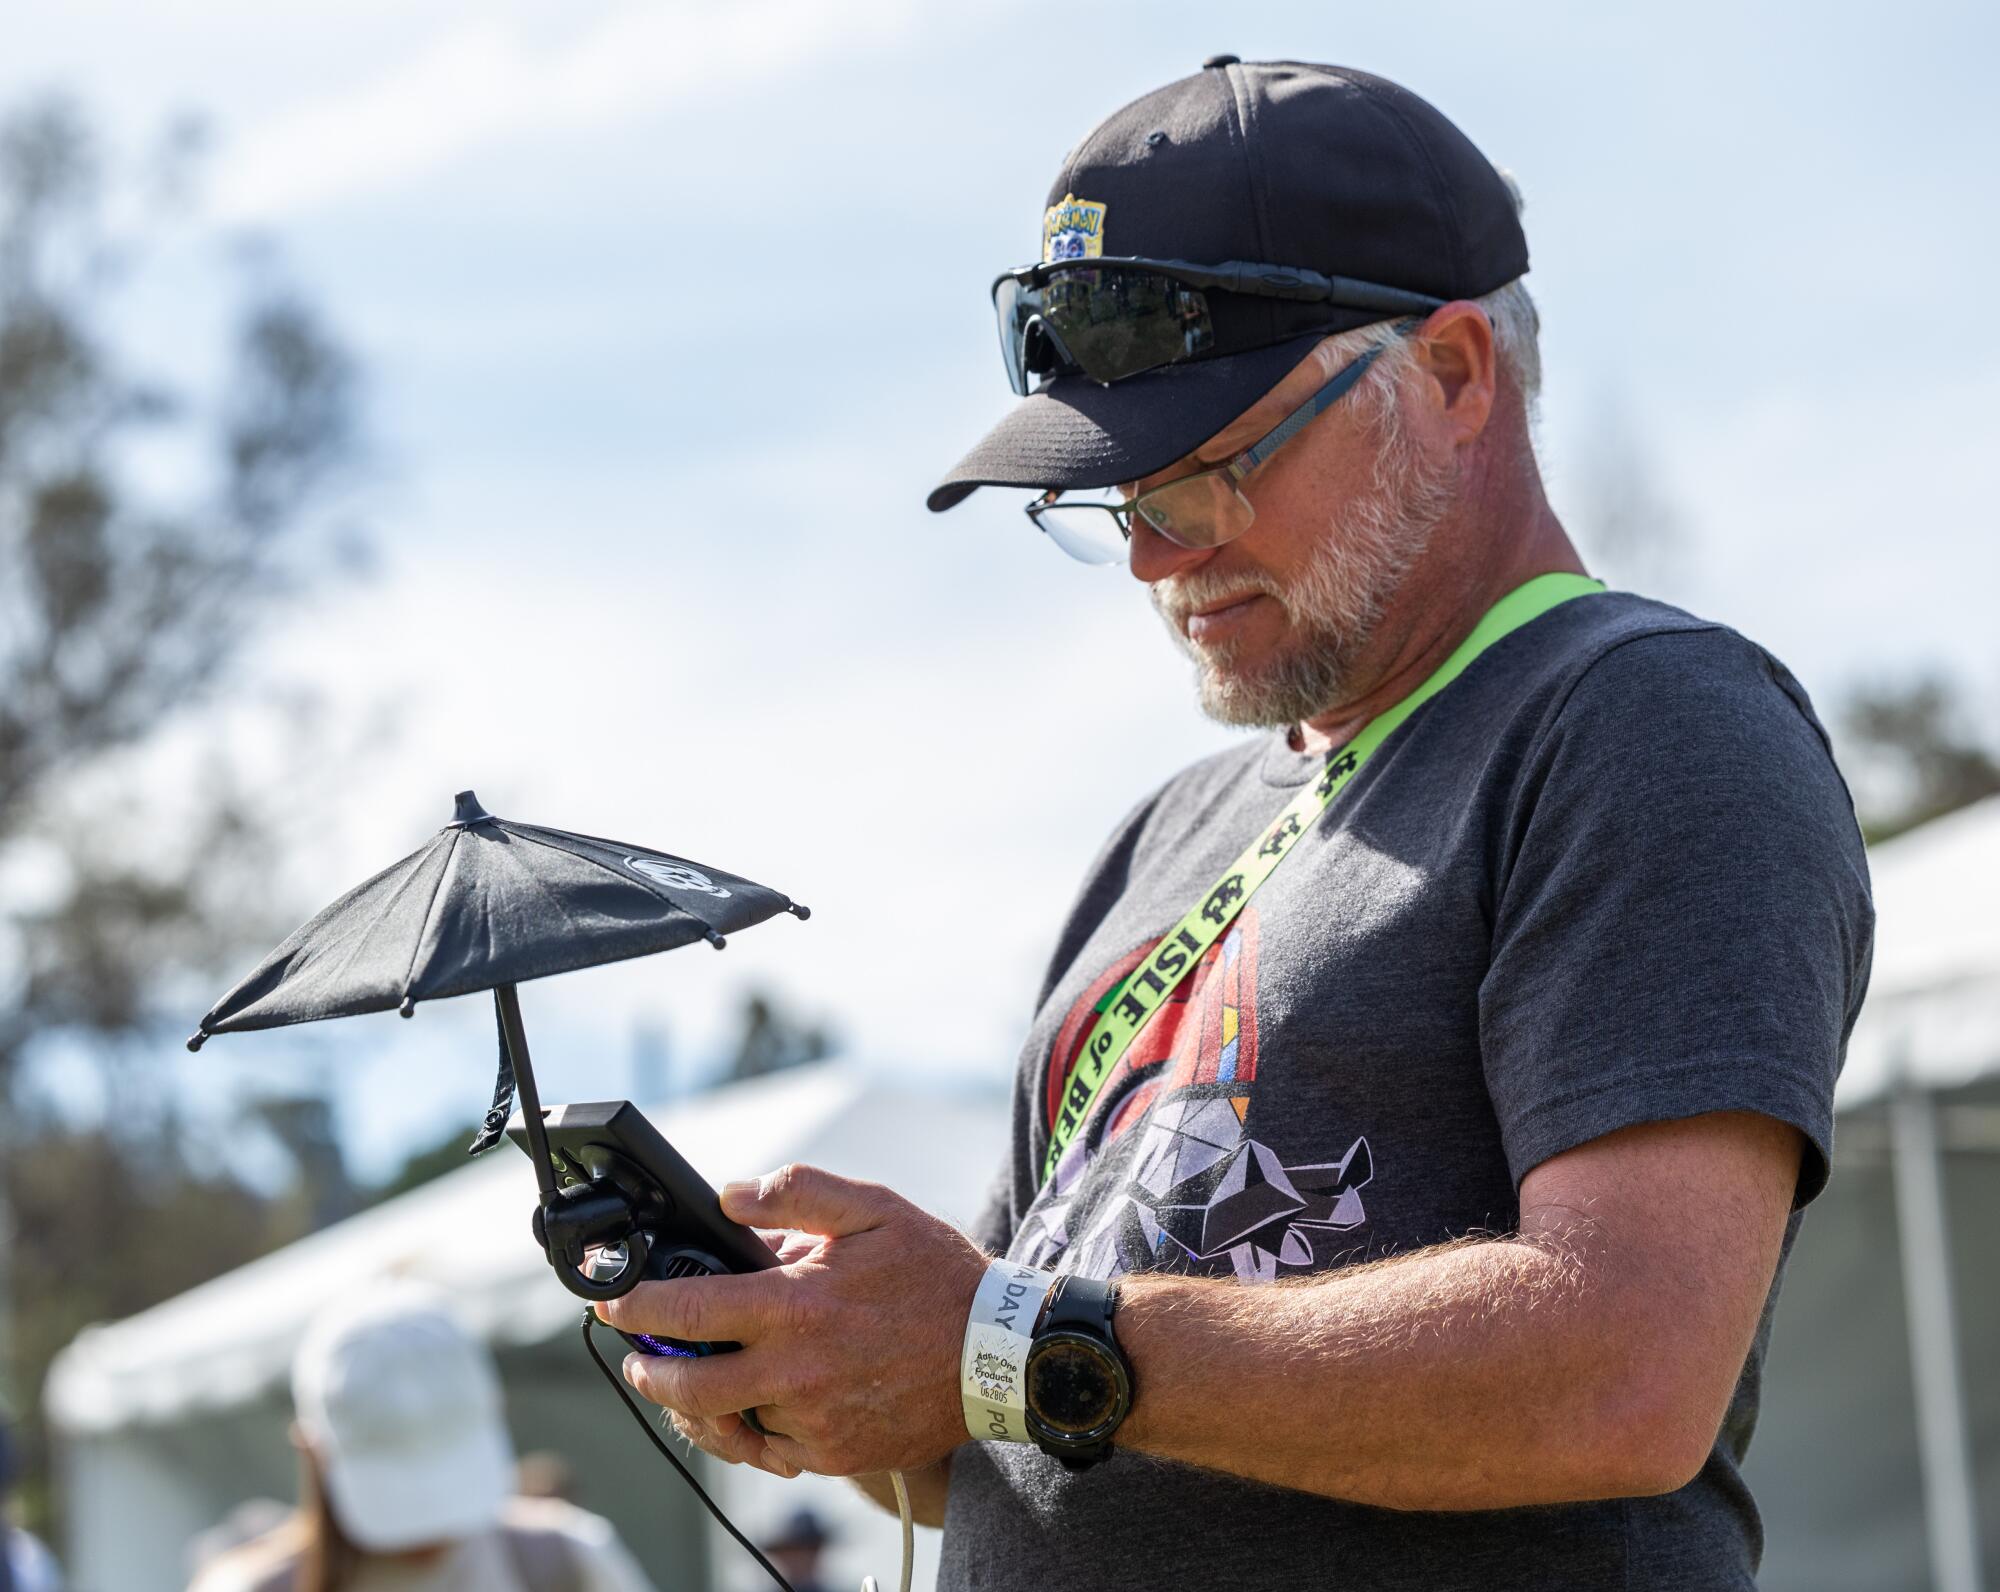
486, 905
488, 902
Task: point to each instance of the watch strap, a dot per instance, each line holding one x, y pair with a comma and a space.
1085, 1303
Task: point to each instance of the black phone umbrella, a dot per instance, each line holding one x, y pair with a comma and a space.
488, 904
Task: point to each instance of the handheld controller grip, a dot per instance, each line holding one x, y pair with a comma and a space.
631, 1210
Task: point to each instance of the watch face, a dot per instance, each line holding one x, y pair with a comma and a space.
1074, 1386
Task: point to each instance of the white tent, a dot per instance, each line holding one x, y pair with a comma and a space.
1877, 1460
172, 1417
1933, 1013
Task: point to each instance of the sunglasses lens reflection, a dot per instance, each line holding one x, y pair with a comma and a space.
1083, 528
1107, 322
1007, 310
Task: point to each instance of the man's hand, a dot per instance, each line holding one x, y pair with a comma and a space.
850, 1345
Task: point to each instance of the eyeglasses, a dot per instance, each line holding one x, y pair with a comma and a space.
1202, 510
1116, 317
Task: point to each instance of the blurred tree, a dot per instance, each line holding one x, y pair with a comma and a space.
145, 529
772, 1039
304, 1125
107, 1226
652, 1062
120, 608
1914, 753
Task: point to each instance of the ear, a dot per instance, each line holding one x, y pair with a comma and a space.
1455, 350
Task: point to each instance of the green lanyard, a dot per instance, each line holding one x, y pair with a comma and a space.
1126, 1009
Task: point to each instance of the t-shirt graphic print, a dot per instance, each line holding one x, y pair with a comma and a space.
1174, 1180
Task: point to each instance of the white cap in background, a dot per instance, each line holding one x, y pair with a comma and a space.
401, 1406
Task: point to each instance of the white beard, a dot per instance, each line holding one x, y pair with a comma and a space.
1334, 605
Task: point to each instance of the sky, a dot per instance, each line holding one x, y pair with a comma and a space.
671, 314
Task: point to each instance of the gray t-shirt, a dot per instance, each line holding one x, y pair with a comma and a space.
1609, 876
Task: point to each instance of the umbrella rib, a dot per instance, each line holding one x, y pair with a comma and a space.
430, 912
351, 945
645, 884
561, 906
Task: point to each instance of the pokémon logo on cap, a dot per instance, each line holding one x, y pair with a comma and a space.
1073, 230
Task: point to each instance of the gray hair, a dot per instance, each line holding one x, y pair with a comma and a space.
1517, 328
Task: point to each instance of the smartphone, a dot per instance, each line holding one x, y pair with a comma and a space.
610, 1142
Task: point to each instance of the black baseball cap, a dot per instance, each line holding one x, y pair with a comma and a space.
1277, 162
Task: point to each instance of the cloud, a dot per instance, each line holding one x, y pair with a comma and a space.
484, 82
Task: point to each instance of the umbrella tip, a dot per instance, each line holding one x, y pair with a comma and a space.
798, 911
197, 1039
408, 1008
713, 938
466, 809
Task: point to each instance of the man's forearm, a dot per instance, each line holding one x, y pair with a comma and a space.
927, 1490
1478, 1375
1592, 1356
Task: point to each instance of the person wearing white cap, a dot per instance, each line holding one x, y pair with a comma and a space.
408, 1472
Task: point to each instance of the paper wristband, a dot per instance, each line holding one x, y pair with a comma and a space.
998, 1334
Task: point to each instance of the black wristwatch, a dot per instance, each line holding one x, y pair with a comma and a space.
1078, 1386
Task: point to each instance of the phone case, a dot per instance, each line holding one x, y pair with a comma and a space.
610, 1142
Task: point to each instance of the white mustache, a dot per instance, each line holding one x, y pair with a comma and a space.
1178, 599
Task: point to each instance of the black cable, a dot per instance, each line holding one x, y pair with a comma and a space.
653, 1437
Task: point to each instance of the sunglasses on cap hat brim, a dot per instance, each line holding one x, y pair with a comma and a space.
1107, 318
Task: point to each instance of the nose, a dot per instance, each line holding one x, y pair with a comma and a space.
1152, 557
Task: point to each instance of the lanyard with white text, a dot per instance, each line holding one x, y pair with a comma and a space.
1126, 1009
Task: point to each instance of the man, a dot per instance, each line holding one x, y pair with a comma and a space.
1489, 1005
